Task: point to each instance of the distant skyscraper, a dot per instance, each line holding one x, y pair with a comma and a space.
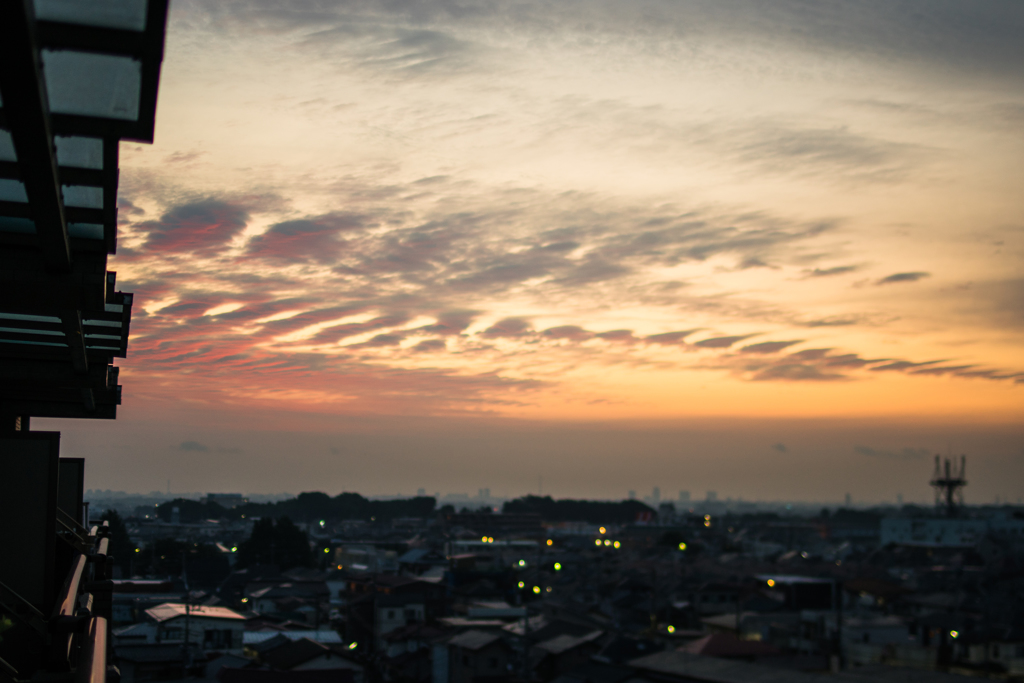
712, 496
684, 497
484, 493
656, 495
421, 492
632, 495
849, 500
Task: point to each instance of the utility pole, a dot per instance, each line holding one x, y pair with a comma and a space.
188, 594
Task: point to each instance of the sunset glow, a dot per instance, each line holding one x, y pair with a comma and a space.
751, 231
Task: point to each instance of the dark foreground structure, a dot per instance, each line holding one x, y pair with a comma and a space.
76, 77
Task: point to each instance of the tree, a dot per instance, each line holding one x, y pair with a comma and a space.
282, 544
189, 510
163, 557
121, 547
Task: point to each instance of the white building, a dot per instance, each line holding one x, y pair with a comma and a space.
212, 628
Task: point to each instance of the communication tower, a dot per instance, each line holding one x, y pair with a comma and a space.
948, 483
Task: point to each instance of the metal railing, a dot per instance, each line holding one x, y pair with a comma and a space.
73, 640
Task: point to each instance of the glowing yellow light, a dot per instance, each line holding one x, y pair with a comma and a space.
339, 566
671, 628
682, 546
490, 539
522, 563
616, 544
522, 585
137, 550
707, 523
483, 540
954, 634
245, 599
550, 542
771, 582
353, 645
234, 548
558, 566
707, 517
607, 542
536, 589
597, 541
327, 550
602, 530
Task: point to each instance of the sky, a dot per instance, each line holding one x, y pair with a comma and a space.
768, 248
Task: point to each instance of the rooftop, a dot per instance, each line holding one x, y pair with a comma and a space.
173, 610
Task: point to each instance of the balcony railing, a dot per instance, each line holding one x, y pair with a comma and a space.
72, 642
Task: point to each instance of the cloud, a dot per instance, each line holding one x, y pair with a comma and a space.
902, 277
670, 338
829, 272
380, 340
780, 447
796, 372
193, 446
807, 150
618, 336
902, 454
305, 240
198, 228
570, 332
768, 347
430, 346
419, 36
511, 328
451, 322
721, 342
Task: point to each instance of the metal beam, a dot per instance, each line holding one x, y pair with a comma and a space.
27, 115
71, 321
156, 30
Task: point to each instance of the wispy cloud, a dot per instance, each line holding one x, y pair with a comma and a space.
903, 277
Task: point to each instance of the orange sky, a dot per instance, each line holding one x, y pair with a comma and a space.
592, 217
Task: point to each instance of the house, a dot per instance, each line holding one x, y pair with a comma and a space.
728, 646
394, 612
308, 655
406, 655
249, 675
561, 654
419, 560
379, 604
154, 661
474, 655
212, 628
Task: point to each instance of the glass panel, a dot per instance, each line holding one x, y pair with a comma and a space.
128, 14
7, 147
93, 231
30, 318
92, 85
51, 333
23, 225
12, 190
79, 152
83, 196
33, 343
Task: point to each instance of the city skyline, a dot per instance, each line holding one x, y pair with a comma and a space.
736, 246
